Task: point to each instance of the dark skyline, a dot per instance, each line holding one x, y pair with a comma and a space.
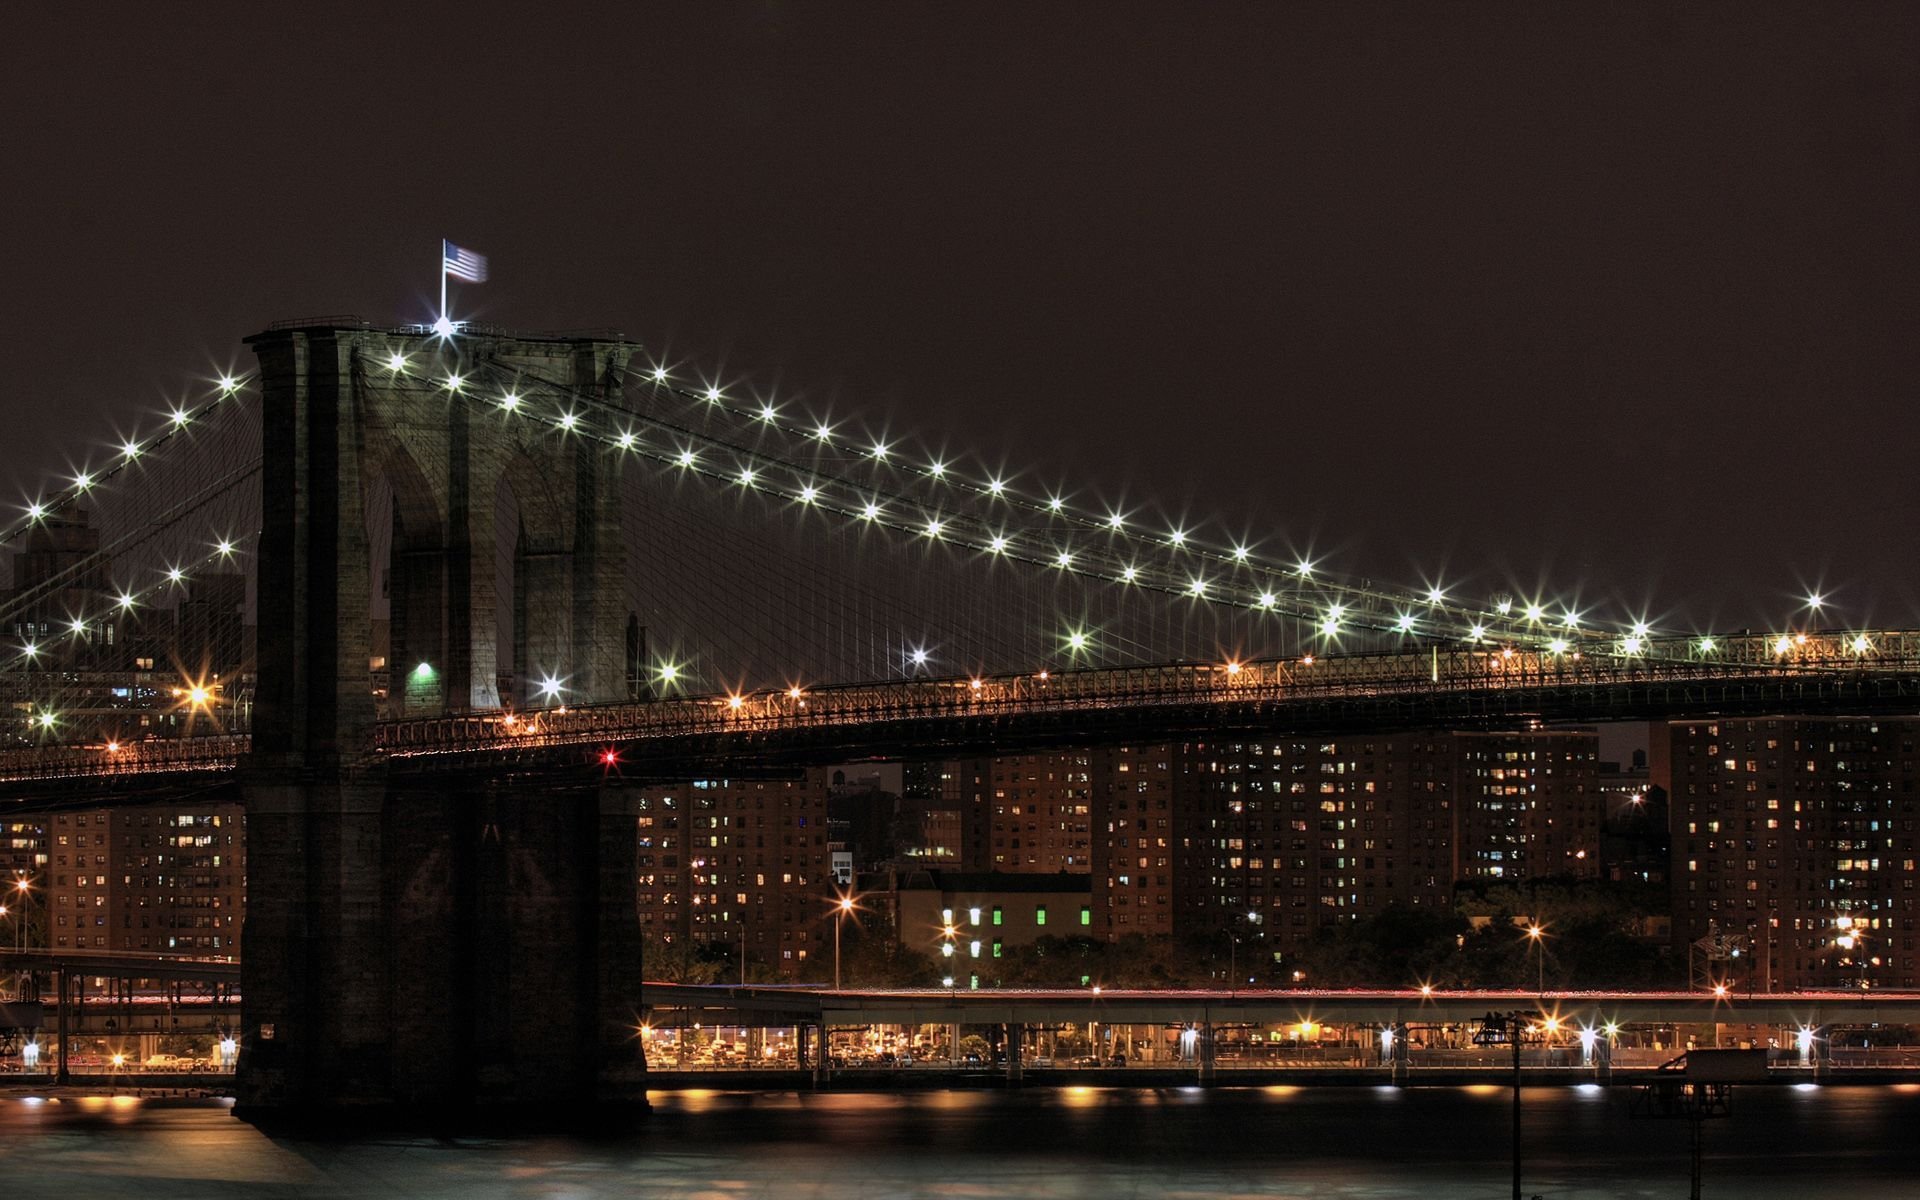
1618, 301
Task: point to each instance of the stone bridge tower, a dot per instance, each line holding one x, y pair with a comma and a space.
465, 939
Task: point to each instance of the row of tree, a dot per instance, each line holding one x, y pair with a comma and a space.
1593, 936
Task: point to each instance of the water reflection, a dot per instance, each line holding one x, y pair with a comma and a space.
1084, 1141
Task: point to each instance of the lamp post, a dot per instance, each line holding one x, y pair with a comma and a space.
23, 886
1854, 942
1233, 951
1535, 933
1498, 1029
841, 908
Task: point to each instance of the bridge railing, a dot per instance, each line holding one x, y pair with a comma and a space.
1423, 671
1427, 670
214, 753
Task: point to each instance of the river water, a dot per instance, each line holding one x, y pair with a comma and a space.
1112, 1143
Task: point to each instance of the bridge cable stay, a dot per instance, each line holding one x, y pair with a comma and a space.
761, 554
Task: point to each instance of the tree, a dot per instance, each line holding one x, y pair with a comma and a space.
677, 961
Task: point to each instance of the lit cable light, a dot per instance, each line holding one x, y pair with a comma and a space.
510, 401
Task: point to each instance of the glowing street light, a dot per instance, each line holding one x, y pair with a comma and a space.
1536, 933
842, 906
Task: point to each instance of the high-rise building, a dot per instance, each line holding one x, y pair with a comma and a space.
1529, 804
726, 859
160, 879
1279, 837
1040, 820
1793, 841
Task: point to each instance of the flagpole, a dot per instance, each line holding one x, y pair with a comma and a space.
443, 279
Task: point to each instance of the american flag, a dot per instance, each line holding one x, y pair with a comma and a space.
463, 264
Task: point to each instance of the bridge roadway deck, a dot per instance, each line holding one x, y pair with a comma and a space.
1428, 685
777, 1006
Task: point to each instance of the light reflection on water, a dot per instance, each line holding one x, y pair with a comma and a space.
1083, 1141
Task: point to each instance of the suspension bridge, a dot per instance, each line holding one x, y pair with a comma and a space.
395, 585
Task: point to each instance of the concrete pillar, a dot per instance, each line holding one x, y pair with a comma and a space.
1822, 1052
1400, 1053
1015, 1035
63, 985
1603, 1059
1205, 1048
821, 1056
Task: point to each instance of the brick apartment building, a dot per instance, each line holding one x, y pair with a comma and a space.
161, 879
717, 858
1797, 835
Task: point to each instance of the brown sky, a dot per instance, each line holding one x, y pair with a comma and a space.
1612, 299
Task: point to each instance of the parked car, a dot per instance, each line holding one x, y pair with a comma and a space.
1118, 1060
1086, 1060
972, 1059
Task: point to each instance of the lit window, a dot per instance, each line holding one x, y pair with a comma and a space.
1039, 914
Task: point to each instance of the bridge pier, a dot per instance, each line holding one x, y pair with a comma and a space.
1204, 1045
1400, 1054
1016, 1034
470, 941
1603, 1060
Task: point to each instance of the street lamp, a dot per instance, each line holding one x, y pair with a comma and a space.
1854, 942
1509, 1029
841, 907
1535, 933
1233, 951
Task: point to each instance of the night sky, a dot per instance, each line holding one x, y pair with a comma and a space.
1614, 299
